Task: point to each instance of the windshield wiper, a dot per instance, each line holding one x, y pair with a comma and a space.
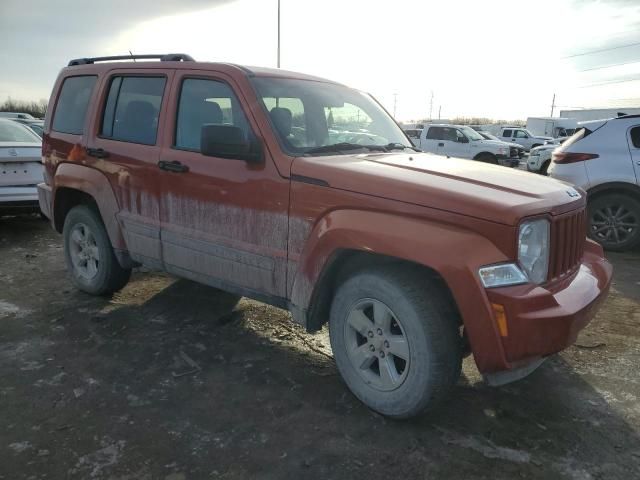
338, 147
399, 146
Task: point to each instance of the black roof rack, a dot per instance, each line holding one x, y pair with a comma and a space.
164, 57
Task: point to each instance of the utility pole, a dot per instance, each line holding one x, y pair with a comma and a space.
431, 106
439, 111
395, 103
278, 33
553, 104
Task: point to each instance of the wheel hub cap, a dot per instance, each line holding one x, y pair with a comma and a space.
377, 346
614, 224
83, 251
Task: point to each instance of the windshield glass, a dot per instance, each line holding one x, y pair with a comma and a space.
308, 114
14, 132
471, 133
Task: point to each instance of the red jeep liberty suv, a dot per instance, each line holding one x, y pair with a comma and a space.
305, 194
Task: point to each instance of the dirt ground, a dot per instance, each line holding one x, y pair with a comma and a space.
164, 381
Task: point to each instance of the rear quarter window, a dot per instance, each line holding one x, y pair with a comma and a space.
635, 136
73, 102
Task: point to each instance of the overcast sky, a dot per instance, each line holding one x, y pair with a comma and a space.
495, 58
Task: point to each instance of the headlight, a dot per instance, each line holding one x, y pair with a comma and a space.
533, 249
502, 275
502, 151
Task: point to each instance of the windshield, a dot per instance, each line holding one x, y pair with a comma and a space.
471, 133
308, 114
14, 132
489, 136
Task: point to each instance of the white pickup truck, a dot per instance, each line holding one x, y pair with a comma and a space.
523, 137
463, 142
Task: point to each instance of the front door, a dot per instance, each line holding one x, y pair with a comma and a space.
224, 222
126, 150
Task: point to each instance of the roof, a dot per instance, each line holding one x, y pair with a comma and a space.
183, 61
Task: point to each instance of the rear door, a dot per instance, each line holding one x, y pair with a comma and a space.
506, 135
224, 222
634, 146
126, 150
430, 138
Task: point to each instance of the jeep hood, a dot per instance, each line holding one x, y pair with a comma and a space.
489, 192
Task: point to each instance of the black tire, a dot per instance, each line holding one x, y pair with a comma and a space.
486, 158
619, 231
427, 321
109, 276
544, 170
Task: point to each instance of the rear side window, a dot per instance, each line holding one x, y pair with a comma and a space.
434, 133
506, 133
132, 109
635, 136
73, 102
206, 102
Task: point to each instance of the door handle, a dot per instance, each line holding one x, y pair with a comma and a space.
441, 144
174, 166
97, 152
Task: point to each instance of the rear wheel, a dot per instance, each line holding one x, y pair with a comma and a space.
395, 340
614, 221
88, 253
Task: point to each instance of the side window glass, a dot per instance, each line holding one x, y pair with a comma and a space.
132, 109
506, 133
206, 102
73, 101
521, 134
449, 134
635, 136
434, 133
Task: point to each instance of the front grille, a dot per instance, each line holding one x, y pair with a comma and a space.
568, 235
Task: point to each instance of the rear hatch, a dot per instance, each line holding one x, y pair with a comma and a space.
20, 164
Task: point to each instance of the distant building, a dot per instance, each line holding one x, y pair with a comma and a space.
598, 113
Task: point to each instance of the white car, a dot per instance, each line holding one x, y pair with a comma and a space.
463, 142
523, 136
603, 158
540, 158
20, 168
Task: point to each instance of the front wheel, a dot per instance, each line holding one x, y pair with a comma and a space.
89, 256
486, 158
614, 221
395, 341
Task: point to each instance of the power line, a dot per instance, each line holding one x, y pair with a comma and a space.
609, 83
609, 66
601, 50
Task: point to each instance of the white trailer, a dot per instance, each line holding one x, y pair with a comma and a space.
552, 126
598, 113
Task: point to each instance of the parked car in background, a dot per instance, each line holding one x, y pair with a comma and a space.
414, 135
523, 137
34, 124
412, 258
515, 150
540, 158
17, 115
603, 158
20, 168
464, 142
552, 126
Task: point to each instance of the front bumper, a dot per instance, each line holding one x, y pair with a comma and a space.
543, 320
508, 161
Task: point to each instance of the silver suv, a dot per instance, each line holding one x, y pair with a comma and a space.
603, 158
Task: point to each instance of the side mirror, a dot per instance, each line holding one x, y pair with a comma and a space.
228, 141
463, 139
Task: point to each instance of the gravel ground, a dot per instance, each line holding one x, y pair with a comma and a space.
166, 381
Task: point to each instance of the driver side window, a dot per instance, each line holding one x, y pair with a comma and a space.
521, 134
